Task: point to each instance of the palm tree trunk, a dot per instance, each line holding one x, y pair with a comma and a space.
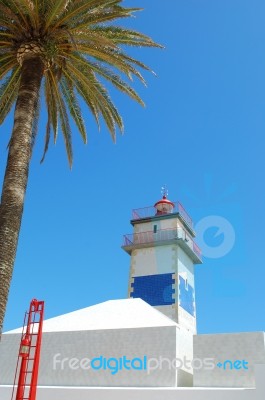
16, 174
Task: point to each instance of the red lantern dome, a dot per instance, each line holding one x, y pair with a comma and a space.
164, 206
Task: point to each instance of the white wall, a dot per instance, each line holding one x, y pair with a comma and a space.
248, 346
55, 393
153, 342
153, 260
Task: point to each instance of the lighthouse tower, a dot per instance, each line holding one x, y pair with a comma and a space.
163, 253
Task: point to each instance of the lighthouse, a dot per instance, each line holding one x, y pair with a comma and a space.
163, 253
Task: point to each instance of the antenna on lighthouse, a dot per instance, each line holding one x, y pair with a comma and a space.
164, 191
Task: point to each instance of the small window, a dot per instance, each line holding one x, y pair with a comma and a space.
155, 228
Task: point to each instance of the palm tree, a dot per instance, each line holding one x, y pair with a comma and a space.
62, 48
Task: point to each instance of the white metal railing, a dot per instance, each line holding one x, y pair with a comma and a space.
147, 212
162, 235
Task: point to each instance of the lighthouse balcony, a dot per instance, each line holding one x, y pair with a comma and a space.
150, 212
162, 237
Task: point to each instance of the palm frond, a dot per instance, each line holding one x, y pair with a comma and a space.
93, 38
81, 8
100, 96
47, 140
54, 13
102, 17
29, 11
52, 107
5, 43
5, 34
9, 25
8, 93
73, 106
114, 59
15, 6
63, 117
6, 17
132, 60
124, 36
84, 92
108, 75
7, 66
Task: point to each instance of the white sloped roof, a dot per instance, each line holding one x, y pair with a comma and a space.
112, 314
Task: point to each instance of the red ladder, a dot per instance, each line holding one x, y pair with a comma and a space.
29, 353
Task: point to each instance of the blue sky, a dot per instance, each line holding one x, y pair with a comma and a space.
201, 133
